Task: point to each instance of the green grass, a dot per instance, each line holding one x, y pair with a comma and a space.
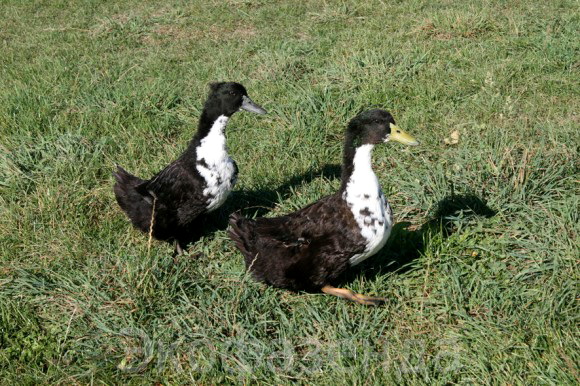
481, 272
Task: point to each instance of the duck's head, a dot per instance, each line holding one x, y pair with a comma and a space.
229, 97
374, 127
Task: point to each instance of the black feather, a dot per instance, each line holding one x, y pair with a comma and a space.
176, 192
301, 251
310, 248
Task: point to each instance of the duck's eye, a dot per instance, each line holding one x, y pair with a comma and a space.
232, 93
376, 121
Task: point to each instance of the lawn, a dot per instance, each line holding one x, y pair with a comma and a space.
481, 270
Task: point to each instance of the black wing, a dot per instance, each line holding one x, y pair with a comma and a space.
320, 219
178, 190
305, 249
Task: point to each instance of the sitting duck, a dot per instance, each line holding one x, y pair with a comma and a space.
310, 248
199, 181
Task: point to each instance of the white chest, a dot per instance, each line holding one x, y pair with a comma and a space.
368, 205
215, 165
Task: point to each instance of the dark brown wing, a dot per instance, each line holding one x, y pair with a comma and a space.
315, 220
303, 250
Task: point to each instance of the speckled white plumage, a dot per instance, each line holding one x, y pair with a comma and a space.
215, 165
368, 204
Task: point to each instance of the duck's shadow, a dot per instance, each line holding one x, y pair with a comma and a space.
257, 203
407, 243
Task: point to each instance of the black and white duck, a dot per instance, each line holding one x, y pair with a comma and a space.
199, 181
309, 249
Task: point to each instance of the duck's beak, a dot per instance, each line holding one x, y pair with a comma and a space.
397, 134
249, 105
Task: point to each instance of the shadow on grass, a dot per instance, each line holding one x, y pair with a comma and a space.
257, 203
406, 244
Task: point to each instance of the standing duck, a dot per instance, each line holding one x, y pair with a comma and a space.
199, 181
309, 249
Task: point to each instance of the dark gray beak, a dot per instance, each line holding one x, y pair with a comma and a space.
249, 105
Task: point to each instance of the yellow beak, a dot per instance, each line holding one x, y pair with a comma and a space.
397, 134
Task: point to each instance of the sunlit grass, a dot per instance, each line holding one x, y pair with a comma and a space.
481, 270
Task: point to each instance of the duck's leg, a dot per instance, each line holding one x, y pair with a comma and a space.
178, 249
348, 294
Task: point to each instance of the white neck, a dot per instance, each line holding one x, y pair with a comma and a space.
363, 178
362, 159
368, 205
217, 169
213, 145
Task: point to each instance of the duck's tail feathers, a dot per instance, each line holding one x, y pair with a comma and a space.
125, 178
241, 232
124, 189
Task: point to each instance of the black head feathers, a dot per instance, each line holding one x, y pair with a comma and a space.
226, 98
376, 126
370, 127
